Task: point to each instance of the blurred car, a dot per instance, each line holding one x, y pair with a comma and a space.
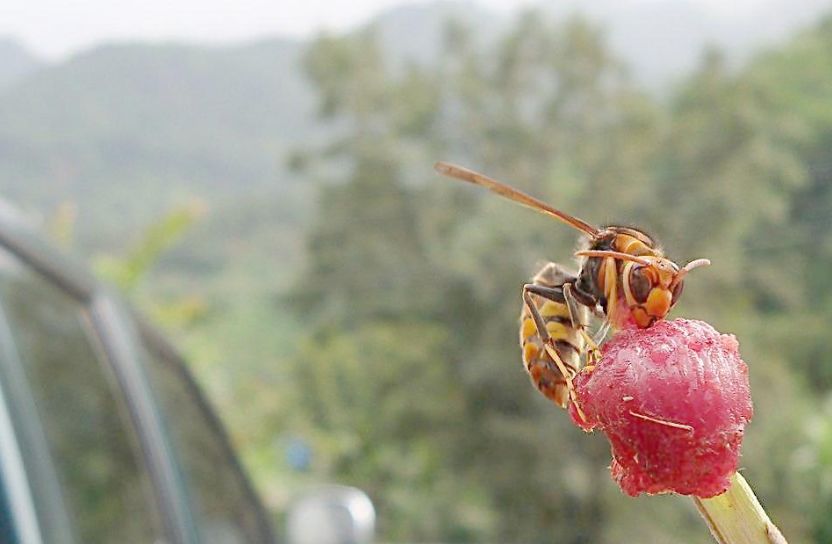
104, 436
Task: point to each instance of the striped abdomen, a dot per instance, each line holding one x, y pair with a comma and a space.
569, 342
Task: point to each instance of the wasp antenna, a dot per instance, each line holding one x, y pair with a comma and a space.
614, 255
444, 168
506, 191
697, 263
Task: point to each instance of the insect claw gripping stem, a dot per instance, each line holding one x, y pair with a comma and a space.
593, 353
549, 346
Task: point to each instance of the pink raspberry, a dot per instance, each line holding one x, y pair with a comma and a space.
673, 400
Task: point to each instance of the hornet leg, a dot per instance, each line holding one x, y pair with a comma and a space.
566, 294
549, 346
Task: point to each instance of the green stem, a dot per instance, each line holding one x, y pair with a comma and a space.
736, 517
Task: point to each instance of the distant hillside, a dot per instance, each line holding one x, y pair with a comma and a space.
15, 62
125, 130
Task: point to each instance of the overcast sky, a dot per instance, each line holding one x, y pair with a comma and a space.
56, 28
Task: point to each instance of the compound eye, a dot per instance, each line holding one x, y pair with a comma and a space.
677, 291
640, 284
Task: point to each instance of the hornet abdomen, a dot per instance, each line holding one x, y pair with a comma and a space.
569, 341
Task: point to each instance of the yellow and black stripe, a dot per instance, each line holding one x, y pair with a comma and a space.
569, 342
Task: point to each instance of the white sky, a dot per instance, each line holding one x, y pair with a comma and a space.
56, 28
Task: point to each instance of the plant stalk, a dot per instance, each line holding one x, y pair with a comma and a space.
736, 517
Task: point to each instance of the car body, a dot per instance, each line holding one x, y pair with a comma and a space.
104, 435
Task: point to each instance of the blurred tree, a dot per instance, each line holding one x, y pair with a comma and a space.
725, 152
345, 380
366, 257
385, 250
722, 171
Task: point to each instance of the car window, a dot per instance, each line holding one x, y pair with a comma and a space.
7, 532
95, 456
226, 512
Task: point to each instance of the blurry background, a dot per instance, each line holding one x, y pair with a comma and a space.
264, 190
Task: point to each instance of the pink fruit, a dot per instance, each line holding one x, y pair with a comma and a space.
673, 400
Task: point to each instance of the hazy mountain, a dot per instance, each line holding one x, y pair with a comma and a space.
15, 62
124, 130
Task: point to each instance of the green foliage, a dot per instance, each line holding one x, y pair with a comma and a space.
815, 460
721, 171
128, 270
345, 380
